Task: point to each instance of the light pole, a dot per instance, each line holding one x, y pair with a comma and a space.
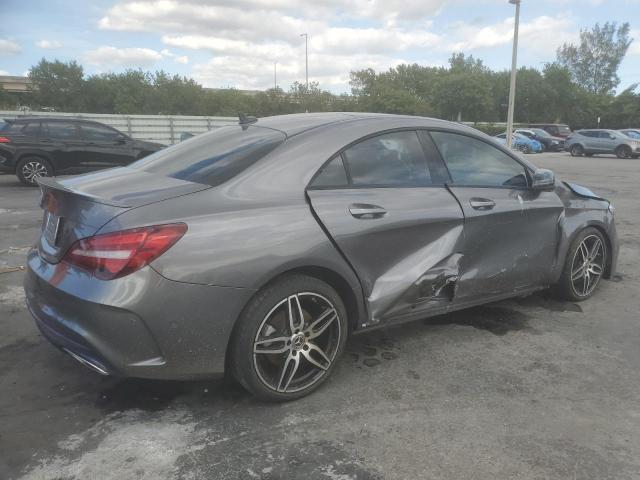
306, 57
275, 75
514, 63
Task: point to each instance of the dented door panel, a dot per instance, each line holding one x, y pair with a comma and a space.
509, 243
408, 258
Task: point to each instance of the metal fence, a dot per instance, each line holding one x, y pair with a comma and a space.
156, 128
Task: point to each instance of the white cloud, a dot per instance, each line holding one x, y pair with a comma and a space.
9, 47
183, 59
634, 49
543, 33
4, 72
49, 44
128, 57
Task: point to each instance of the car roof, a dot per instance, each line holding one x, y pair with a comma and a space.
297, 123
33, 118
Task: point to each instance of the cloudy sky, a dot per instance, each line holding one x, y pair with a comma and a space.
235, 43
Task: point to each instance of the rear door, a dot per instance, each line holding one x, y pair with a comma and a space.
61, 139
387, 209
510, 232
105, 147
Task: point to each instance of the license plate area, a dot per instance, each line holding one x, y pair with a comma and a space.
51, 228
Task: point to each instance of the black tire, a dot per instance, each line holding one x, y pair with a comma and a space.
576, 150
525, 148
30, 168
261, 373
624, 151
544, 148
569, 287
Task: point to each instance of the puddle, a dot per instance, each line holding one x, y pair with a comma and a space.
497, 320
545, 300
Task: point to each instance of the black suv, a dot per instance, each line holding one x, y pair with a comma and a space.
33, 147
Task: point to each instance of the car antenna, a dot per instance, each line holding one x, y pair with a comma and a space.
246, 120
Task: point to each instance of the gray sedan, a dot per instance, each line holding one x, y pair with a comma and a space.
258, 249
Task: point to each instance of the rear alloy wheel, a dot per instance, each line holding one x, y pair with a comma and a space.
289, 338
584, 266
623, 151
576, 150
29, 169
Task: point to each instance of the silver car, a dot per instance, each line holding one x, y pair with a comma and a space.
591, 142
258, 249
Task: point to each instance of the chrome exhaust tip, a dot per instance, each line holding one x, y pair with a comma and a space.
96, 367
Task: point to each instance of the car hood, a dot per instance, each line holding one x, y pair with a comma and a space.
583, 191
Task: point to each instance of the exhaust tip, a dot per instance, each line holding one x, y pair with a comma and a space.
95, 366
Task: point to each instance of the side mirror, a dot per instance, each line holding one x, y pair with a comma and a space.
121, 139
543, 180
612, 137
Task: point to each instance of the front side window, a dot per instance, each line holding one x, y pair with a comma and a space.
214, 157
61, 130
98, 133
391, 159
31, 129
472, 162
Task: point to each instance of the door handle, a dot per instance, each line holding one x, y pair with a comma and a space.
366, 211
482, 203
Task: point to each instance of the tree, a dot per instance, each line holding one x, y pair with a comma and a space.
57, 84
594, 62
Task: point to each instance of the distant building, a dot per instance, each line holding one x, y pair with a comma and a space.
15, 84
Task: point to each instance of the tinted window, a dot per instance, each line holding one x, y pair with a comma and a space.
32, 129
606, 135
213, 157
391, 159
11, 127
588, 133
61, 130
98, 133
473, 162
332, 174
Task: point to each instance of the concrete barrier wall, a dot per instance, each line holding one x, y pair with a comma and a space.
156, 128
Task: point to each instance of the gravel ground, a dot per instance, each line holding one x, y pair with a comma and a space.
530, 388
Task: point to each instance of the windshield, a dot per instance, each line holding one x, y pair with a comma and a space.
213, 157
540, 132
564, 130
632, 134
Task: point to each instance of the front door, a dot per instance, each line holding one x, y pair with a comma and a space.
389, 213
510, 230
104, 147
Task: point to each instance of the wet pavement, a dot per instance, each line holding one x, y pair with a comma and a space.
530, 388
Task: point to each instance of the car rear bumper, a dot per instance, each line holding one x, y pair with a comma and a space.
142, 325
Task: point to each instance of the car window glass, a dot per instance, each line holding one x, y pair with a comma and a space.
98, 133
213, 157
12, 127
61, 130
31, 129
390, 159
473, 162
632, 134
332, 174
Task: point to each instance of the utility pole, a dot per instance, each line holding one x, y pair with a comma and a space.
306, 57
275, 75
514, 66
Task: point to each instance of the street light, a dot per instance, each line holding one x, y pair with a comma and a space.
275, 75
306, 56
514, 62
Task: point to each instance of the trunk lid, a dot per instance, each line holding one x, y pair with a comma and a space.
77, 207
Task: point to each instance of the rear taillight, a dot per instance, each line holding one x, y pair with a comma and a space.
116, 254
5, 140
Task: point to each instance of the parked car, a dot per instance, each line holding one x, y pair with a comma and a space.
591, 142
522, 143
632, 133
556, 129
260, 248
33, 147
548, 141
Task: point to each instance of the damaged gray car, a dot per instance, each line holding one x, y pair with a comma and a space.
258, 249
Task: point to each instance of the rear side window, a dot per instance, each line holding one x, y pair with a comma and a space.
472, 162
391, 159
98, 133
213, 158
332, 174
61, 130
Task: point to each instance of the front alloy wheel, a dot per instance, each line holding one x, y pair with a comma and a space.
587, 266
288, 338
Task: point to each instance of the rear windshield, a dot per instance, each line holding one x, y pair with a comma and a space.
213, 157
564, 129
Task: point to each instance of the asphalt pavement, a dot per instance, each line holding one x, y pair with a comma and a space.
530, 388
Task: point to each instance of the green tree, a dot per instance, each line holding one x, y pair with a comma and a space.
595, 61
58, 85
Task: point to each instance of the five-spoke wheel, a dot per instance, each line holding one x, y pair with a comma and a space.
585, 265
289, 338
